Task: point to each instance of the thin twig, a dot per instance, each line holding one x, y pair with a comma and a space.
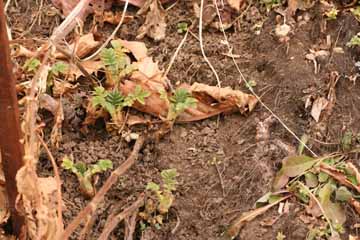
115, 220
88, 225
92, 206
251, 89
58, 182
202, 45
111, 37
221, 179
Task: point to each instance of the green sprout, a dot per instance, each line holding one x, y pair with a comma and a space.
356, 12
113, 102
179, 102
117, 63
182, 27
31, 65
332, 14
154, 210
270, 4
354, 41
84, 173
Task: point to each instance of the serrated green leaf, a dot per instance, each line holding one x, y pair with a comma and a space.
105, 164
311, 180
153, 187
296, 165
31, 64
343, 194
59, 67
323, 177
80, 167
67, 163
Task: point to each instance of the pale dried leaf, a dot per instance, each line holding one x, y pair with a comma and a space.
82, 47
90, 66
318, 106
236, 4
138, 49
148, 67
62, 87
155, 24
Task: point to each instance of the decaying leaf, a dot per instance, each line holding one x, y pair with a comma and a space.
292, 167
236, 4
239, 223
155, 24
91, 66
82, 47
339, 176
318, 106
138, 49
38, 194
62, 87
294, 5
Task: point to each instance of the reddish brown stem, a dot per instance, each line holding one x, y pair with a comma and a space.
92, 206
11, 149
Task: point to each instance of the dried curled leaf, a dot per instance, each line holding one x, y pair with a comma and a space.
155, 24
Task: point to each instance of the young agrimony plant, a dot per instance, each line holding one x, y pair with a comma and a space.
85, 173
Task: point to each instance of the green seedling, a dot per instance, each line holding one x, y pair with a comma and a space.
346, 141
113, 102
332, 14
85, 173
182, 27
356, 13
251, 84
179, 102
117, 63
270, 4
31, 65
164, 197
355, 41
59, 68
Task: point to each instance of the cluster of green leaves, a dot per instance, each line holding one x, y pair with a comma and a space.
182, 27
31, 65
154, 210
332, 14
270, 4
356, 12
114, 101
354, 41
310, 181
84, 173
179, 102
117, 63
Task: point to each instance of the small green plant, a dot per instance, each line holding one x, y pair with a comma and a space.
346, 141
356, 13
270, 4
84, 173
251, 84
113, 102
179, 102
354, 41
31, 65
117, 63
59, 68
164, 197
332, 14
182, 27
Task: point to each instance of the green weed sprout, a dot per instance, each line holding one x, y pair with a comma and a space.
84, 173
182, 27
355, 41
332, 14
116, 62
113, 102
179, 102
164, 197
31, 65
269, 4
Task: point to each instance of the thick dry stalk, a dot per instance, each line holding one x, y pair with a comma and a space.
115, 220
11, 149
92, 206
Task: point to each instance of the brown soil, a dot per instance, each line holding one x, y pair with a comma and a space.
203, 206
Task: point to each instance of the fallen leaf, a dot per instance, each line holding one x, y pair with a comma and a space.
318, 106
148, 67
296, 165
90, 66
332, 210
155, 25
239, 223
82, 47
311, 180
138, 49
313, 208
62, 87
339, 176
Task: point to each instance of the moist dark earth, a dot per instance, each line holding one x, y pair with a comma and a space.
204, 206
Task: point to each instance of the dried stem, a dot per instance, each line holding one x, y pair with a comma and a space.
58, 183
115, 220
92, 206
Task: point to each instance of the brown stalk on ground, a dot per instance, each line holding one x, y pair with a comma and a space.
92, 206
11, 149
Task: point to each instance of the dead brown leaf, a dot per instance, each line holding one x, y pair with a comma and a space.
90, 66
138, 49
60, 88
81, 47
155, 24
318, 106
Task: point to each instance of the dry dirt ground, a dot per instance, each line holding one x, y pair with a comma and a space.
204, 206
